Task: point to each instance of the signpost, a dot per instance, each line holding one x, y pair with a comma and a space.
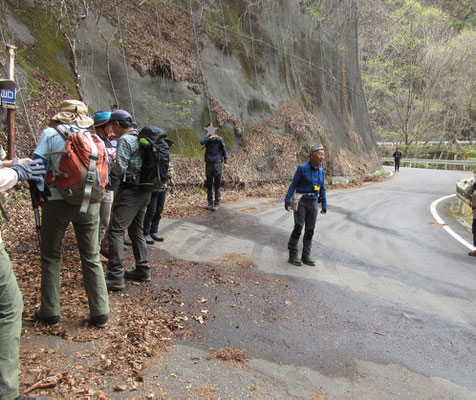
7, 97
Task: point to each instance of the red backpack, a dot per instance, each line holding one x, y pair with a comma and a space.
83, 169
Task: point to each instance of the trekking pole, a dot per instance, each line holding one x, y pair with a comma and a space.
35, 203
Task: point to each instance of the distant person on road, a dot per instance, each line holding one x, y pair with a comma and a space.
397, 155
215, 155
309, 184
471, 195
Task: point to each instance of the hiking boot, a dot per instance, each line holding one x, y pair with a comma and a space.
115, 284
213, 207
137, 275
472, 253
148, 239
99, 321
294, 258
156, 237
210, 207
48, 321
306, 258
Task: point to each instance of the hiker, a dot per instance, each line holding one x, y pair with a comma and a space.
156, 137
397, 155
309, 184
11, 301
57, 213
470, 193
215, 155
104, 131
129, 205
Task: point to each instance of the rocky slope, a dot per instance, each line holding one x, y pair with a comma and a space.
275, 75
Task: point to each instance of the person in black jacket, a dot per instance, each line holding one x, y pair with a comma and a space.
397, 156
215, 154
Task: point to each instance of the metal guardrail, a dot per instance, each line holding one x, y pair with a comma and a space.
430, 143
460, 188
427, 161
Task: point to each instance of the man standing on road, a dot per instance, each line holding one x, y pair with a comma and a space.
397, 155
215, 154
309, 184
129, 205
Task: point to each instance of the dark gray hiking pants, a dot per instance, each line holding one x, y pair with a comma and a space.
304, 217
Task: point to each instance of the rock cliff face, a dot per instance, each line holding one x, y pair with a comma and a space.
276, 76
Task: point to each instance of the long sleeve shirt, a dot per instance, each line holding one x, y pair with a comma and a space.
305, 179
128, 159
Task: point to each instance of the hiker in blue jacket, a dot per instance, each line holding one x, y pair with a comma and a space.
309, 184
215, 155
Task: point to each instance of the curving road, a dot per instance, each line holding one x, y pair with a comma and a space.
388, 312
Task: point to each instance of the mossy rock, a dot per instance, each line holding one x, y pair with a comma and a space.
205, 117
186, 143
228, 135
49, 48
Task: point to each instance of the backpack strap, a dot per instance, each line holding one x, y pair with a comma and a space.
91, 174
64, 131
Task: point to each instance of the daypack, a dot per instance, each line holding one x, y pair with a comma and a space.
83, 170
154, 148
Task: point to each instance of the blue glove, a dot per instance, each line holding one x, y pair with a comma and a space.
31, 170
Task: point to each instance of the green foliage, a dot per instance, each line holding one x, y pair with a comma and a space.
317, 8
403, 74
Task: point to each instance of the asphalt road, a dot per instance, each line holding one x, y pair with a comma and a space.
389, 311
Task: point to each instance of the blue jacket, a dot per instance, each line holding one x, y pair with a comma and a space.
215, 150
304, 180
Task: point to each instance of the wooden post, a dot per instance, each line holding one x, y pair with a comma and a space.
11, 111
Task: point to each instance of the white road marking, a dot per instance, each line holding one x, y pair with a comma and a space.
444, 225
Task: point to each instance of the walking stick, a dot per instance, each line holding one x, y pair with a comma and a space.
35, 203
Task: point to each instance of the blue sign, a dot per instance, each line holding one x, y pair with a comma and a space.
8, 95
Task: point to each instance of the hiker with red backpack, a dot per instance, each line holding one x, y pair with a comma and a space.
76, 165
129, 205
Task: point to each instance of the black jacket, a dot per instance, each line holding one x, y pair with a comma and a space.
215, 150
